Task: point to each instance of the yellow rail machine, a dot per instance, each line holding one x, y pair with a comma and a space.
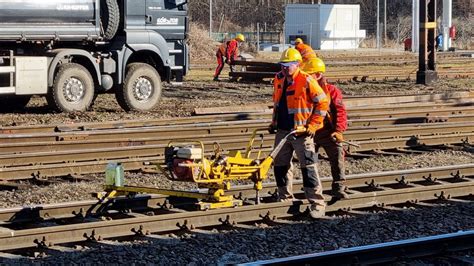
186, 162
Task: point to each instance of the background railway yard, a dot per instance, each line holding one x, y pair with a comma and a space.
412, 176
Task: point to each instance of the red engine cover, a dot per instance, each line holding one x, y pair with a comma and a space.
182, 173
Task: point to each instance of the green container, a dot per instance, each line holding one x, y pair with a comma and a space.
119, 176
110, 173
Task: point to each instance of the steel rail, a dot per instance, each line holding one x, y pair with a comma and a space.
339, 78
394, 103
409, 120
61, 163
224, 127
16, 144
382, 253
130, 149
11, 239
378, 180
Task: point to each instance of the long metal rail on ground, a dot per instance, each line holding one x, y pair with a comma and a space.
451, 185
368, 181
334, 61
257, 70
138, 155
382, 253
362, 118
64, 158
354, 104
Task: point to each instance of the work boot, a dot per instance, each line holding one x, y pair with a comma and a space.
317, 211
216, 79
285, 194
338, 191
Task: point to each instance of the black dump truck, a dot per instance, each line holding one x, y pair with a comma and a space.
72, 50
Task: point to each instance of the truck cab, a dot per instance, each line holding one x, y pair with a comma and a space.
126, 47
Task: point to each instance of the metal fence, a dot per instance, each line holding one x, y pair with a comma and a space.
251, 37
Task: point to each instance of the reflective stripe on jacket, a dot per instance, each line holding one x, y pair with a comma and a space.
306, 100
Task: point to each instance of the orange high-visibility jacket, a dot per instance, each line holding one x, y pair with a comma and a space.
305, 99
222, 49
306, 51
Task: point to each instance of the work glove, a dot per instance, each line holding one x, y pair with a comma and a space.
337, 137
272, 128
311, 131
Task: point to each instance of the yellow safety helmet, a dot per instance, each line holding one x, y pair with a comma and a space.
314, 65
298, 40
290, 55
240, 37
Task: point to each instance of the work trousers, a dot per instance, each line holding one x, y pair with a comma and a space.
305, 152
335, 153
220, 65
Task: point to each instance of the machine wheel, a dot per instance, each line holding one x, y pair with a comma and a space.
73, 89
141, 89
13, 102
110, 18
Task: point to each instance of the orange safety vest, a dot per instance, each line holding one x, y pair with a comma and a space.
222, 48
306, 51
306, 100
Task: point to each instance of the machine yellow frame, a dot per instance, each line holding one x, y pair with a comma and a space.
214, 175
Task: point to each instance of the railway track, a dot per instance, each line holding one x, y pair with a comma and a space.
45, 226
397, 69
86, 149
229, 113
383, 253
443, 58
139, 148
360, 76
262, 111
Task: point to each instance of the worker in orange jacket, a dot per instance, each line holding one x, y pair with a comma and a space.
228, 52
330, 137
299, 103
307, 53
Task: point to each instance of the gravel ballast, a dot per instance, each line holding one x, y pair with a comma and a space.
304, 237
236, 246
74, 191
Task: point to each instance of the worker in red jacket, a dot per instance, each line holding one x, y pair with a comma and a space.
227, 53
331, 135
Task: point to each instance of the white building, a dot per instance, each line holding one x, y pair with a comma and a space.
324, 27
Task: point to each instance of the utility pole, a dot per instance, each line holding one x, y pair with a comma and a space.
258, 37
210, 19
378, 24
426, 73
385, 21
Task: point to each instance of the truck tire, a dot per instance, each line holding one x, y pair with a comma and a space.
141, 89
73, 89
13, 102
110, 18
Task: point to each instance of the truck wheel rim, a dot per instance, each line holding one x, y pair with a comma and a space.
143, 89
73, 90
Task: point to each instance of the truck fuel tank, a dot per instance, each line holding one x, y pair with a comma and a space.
63, 20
